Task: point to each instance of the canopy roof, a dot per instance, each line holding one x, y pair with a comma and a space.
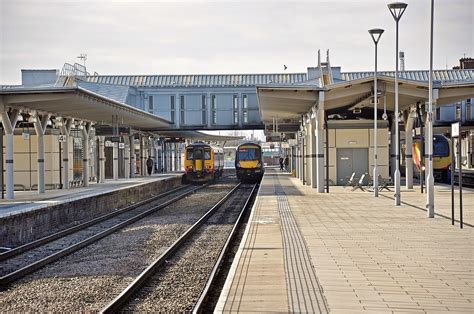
289, 103
199, 136
79, 103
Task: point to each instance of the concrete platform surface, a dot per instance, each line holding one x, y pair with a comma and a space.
349, 252
30, 200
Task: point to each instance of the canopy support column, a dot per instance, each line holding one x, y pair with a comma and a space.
409, 121
314, 160
101, 159
86, 130
115, 165
127, 157
301, 158
308, 153
133, 164
393, 159
65, 129
9, 120
40, 123
320, 143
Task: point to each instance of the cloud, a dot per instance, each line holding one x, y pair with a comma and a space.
153, 37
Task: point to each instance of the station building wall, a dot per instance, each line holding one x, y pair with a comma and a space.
359, 138
25, 160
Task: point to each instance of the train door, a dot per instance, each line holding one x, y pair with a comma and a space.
351, 160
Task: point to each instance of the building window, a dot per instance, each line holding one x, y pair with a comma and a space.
469, 116
236, 109
150, 104
214, 109
182, 121
458, 115
438, 114
172, 107
204, 111
245, 112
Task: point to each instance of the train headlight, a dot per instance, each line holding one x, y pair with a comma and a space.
259, 164
238, 165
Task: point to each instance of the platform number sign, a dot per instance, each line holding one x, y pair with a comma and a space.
62, 138
455, 129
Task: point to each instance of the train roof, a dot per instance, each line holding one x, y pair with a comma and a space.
202, 144
249, 144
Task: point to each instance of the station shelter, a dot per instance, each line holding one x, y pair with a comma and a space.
65, 137
329, 121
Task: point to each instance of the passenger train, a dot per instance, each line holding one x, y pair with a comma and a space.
248, 162
203, 162
441, 156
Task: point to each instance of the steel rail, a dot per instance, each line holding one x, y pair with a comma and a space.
116, 304
198, 306
36, 243
5, 280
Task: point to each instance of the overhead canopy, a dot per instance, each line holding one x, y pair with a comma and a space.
79, 103
199, 136
288, 103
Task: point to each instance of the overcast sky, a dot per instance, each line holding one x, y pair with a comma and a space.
181, 37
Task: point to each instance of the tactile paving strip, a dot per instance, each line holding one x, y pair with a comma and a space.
305, 294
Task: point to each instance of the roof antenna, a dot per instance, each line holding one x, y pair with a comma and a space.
83, 57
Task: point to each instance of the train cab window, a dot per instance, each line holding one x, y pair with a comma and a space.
207, 154
190, 154
440, 147
249, 154
197, 154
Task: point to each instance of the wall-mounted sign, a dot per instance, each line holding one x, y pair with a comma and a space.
26, 136
105, 130
121, 145
174, 139
109, 144
276, 138
455, 127
62, 138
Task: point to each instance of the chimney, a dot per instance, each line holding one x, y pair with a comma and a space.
401, 55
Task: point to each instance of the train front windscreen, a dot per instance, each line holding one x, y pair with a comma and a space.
248, 154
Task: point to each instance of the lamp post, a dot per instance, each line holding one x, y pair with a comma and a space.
430, 178
397, 9
375, 33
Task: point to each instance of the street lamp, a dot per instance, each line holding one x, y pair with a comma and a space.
430, 178
376, 33
397, 9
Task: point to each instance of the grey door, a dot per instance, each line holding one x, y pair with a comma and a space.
351, 160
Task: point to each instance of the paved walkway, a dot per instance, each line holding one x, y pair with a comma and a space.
30, 200
348, 252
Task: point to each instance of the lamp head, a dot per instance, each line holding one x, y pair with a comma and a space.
376, 33
397, 9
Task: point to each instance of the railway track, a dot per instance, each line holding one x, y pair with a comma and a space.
197, 254
25, 259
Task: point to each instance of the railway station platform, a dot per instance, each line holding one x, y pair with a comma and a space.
349, 252
30, 200
32, 216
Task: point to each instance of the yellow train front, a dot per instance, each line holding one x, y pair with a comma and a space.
248, 162
441, 156
203, 162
